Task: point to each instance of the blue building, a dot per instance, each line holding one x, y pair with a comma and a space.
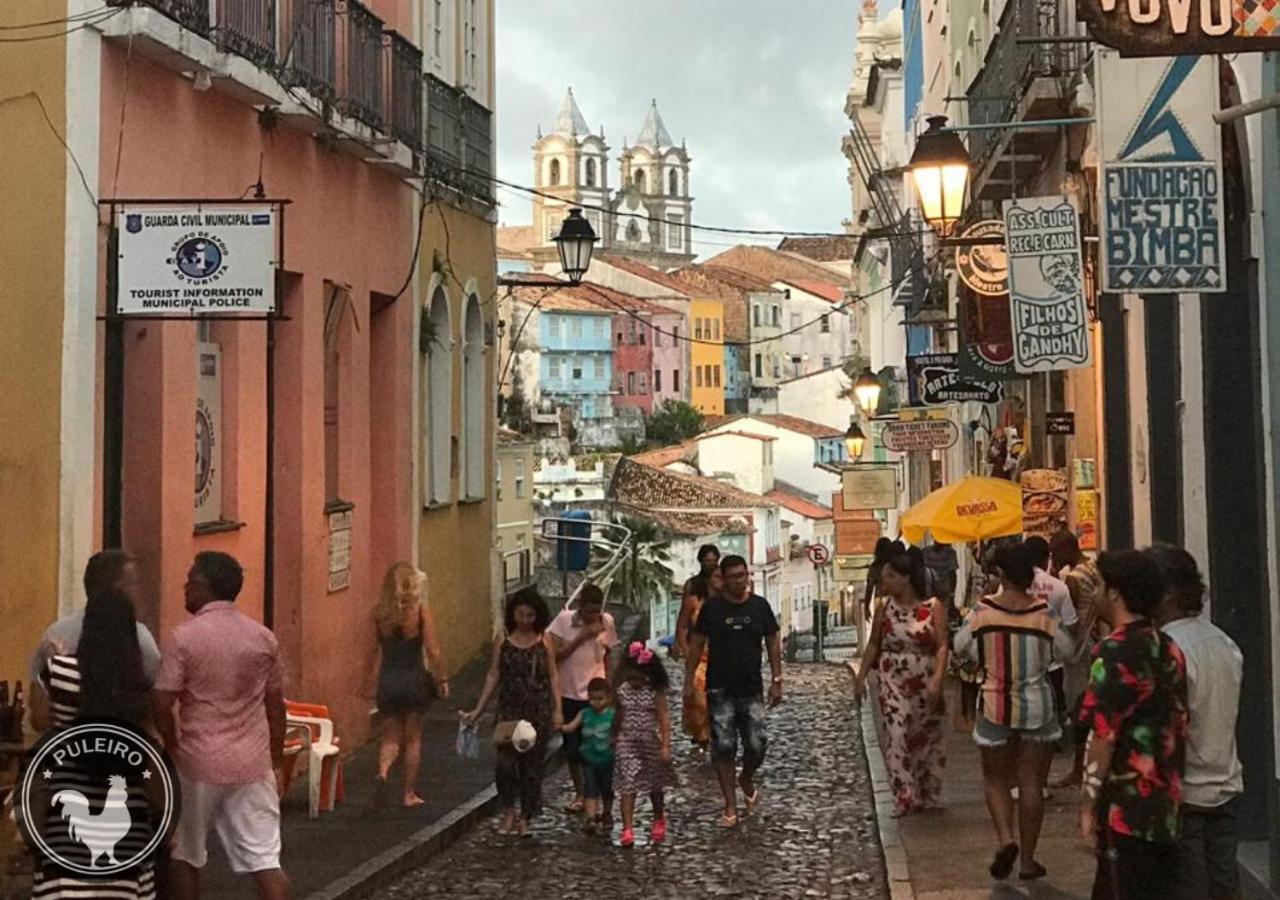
737, 386
575, 366
912, 62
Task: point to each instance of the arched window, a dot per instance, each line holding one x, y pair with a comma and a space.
673, 183
437, 345
553, 172
473, 397
638, 180
591, 173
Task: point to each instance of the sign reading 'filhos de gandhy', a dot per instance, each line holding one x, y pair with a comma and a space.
1171, 27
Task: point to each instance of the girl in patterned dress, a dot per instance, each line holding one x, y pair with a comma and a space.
908, 649
642, 728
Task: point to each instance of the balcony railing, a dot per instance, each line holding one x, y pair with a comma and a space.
1011, 67
308, 48
444, 124
192, 14
248, 28
403, 80
361, 55
459, 140
477, 150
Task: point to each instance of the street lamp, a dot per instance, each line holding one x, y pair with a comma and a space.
854, 440
576, 241
940, 169
867, 390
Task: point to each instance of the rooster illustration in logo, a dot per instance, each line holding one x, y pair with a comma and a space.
99, 832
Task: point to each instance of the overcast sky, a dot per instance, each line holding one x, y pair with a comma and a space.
755, 87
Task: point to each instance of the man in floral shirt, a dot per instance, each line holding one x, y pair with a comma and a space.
1136, 708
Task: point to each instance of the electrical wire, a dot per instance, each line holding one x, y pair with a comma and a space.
65, 20
88, 23
124, 107
32, 95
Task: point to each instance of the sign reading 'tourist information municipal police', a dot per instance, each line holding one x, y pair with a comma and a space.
1162, 192
196, 260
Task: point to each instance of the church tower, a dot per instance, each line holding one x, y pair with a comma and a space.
572, 165
653, 208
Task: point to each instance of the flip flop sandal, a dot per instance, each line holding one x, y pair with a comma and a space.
752, 802
728, 821
574, 807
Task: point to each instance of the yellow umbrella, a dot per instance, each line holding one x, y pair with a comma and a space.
973, 509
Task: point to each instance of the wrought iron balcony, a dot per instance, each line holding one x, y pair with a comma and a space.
403, 81
191, 14
1022, 79
308, 50
360, 87
444, 124
477, 149
248, 28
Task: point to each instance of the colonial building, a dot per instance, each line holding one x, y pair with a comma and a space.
331, 441
645, 217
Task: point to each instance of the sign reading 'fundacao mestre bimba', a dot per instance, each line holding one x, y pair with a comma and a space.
1170, 27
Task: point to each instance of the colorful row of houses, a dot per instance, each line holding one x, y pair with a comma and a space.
716, 336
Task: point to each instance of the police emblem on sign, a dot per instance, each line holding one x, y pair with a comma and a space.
133, 223
198, 258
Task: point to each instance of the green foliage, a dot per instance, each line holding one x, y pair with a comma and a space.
631, 445
515, 411
646, 575
674, 421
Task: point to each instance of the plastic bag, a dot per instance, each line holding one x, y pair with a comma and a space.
468, 743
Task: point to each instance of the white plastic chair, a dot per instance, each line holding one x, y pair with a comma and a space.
319, 744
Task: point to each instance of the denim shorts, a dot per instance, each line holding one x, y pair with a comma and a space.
597, 780
988, 734
733, 718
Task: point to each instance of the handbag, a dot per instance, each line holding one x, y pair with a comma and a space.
503, 731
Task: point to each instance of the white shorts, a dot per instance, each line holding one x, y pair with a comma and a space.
246, 816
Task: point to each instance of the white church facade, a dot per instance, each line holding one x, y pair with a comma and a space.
646, 217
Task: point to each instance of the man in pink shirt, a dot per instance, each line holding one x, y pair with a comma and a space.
582, 638
223, 671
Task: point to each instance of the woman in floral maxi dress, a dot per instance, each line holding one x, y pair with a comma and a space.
907, 648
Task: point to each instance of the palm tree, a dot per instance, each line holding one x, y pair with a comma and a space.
645, 575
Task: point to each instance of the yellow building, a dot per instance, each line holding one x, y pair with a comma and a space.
513, 504
706, 356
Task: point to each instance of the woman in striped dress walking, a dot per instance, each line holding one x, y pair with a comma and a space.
103, 678
1015, 637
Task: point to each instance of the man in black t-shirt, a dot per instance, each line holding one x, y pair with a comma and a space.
734, 629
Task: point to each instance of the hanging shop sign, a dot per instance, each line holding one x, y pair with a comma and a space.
986, 335
934, 379
1161, 183
1087, 519
1060, 423
928, 434
1046, 285
1171, 27
196, 260
869, 488
1044, 502
983, 267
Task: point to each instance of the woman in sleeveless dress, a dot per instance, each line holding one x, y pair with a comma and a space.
104, 677
406, 640
522, 671
908, 650
694, 716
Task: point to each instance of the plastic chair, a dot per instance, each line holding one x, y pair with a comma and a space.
314, 730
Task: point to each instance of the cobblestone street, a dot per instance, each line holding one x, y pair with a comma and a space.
814, 834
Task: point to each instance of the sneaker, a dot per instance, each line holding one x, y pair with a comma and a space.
658, 833
628, 839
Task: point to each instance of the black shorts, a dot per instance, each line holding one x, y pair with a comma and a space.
572, 739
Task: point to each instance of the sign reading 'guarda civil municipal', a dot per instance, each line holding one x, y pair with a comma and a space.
1171, 27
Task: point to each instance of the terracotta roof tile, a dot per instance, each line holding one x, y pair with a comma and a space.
824, 289
516, 241
691, 524
774, 265
665, 456
785, 422
648, 272
821, 249
799, 505
661, 489
617, 301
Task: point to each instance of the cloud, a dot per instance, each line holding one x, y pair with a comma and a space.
755, 87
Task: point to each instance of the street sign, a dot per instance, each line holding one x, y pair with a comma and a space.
196, 260
818, 554
934, 378
870, 488
1063, 423
1046, 285
1162, 189
920, 436
1177, 27
984, 267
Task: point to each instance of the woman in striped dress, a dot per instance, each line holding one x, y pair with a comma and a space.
104, 678
1015, 637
